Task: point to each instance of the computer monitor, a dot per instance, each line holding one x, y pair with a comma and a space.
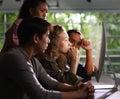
102, 91
100, 56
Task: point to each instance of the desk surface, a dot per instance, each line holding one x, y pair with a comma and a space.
115, 95
106, 93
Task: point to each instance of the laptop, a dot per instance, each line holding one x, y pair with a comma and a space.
106, 90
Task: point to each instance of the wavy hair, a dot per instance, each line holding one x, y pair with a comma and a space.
52, 49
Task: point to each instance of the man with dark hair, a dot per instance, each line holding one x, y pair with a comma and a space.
78, 41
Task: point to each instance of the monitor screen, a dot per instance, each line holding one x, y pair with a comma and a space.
100, 56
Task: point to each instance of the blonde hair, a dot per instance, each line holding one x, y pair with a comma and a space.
52, 49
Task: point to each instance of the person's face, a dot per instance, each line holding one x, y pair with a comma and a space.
75, 40
63, 42
43, 42
40, 11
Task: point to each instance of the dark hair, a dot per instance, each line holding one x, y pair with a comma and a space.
29, 27
73, 31
27, 4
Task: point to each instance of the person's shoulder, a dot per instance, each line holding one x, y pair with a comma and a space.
17, 21
11, 55
14, 52
12, 30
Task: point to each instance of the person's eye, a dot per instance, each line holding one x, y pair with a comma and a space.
65, 40
72, 41
41, 10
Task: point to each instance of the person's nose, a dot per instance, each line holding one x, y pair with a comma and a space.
44, 15
48, 40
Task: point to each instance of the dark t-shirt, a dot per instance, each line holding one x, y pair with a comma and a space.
82, 73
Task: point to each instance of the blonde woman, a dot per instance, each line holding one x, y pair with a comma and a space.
59, 44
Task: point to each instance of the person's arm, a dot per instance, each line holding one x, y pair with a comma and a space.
82, 90
89, 63
88, 48
22, 73
67, 91
74, 58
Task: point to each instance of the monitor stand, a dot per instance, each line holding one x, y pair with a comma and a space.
104, 91
112, 71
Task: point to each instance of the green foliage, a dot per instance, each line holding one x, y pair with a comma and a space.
11, 17
1, 43
1, 30
1, 17
1, 26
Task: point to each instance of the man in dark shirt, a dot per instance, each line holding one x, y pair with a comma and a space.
77, 41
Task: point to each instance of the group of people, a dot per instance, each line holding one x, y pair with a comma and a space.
42, 61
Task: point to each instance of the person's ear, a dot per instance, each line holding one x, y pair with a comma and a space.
31, 11
36, 39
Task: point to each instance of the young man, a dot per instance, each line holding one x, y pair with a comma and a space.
21, 73
78, 41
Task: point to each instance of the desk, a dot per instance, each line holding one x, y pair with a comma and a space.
115, 95
105, 93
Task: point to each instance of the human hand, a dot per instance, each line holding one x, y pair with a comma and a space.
74, 54
85, 44
88, 85
96, 69
83, 92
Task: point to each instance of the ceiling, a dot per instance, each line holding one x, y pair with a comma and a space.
67, 5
